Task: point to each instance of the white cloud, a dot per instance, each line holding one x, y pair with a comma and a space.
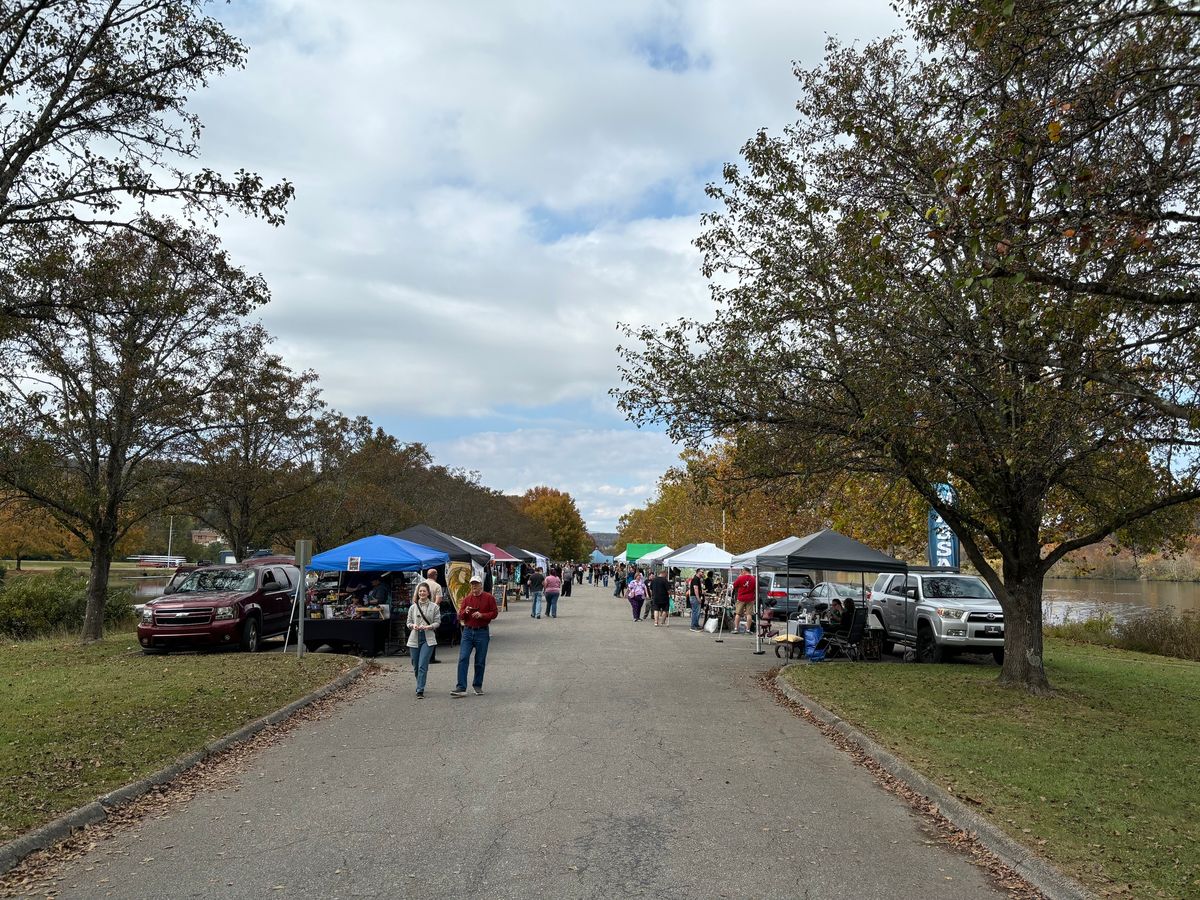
484, 189
607, 471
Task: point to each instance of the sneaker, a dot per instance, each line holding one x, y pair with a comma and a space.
420, 695
478, 691
458, 692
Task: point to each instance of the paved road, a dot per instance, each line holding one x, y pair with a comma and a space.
607, 759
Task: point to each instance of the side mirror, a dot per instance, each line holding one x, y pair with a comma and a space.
911, 593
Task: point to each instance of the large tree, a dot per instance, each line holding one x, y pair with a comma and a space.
256, 469
556, 511
863, 325
95, 126
101, 408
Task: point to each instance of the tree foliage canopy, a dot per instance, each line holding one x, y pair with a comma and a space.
934, 275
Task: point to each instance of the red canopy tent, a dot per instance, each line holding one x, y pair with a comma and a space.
501, 555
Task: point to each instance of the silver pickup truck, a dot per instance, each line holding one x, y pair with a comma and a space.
939, 614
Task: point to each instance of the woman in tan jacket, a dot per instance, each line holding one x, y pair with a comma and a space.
423, 618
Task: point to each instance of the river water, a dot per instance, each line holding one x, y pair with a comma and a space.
1075, 599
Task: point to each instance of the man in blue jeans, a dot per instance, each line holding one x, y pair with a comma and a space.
696, 598
537, 581
478, 610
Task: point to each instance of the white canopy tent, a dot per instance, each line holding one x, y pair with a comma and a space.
701, 556
620, 557
655, 557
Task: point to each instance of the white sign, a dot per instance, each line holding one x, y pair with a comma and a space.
353, 563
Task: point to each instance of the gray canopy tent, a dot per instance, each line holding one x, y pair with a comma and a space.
821, 550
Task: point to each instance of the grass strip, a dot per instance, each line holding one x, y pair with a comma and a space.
79, 721
1101, 779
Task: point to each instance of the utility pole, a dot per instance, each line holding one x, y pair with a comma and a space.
170, 537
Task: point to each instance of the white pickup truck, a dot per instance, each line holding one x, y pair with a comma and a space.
939, 613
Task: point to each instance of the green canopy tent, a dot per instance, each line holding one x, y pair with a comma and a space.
634, 552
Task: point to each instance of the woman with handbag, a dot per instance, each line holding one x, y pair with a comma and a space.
423, 617
636, 592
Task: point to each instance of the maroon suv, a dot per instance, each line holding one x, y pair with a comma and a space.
223, 606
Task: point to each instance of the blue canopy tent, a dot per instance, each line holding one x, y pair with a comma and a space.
598, 557
379, 553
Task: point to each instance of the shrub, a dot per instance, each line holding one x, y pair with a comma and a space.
37, 605
1160, 631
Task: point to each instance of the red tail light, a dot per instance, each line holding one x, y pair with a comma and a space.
868, 595
776, 593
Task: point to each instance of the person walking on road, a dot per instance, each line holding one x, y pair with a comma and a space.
696, 598
604, 575
636, 592
435, 594
564, 577
478, 611
551, 588
745, 588
660, 598
536, 581
423, 618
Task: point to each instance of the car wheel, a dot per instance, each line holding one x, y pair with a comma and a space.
928, 650
250, 635
998, 656
885, 646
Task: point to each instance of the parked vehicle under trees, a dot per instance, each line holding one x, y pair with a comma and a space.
972, 263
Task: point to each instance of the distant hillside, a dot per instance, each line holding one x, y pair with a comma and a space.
604, 540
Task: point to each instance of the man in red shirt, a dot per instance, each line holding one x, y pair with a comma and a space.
745, 589
478, 610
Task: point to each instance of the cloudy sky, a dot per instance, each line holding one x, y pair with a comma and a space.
484, 189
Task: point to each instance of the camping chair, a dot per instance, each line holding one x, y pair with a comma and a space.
849, 642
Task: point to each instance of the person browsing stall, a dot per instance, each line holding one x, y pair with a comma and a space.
478, 611
745, 589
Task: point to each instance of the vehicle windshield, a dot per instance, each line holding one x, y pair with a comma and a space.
957, 587
847, 590
210, 580
793, 581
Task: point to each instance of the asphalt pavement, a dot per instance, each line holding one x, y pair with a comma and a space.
606, 759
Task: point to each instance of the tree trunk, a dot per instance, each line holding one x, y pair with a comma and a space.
97, 589
18, 562
1023, 663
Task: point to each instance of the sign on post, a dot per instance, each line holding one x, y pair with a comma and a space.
943, 542
353, 563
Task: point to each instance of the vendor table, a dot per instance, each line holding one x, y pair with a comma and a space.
369, 635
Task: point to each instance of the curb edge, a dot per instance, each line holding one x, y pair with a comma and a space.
1037, 871
13, 852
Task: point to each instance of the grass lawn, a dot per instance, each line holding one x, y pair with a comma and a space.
1103, 779
77, 722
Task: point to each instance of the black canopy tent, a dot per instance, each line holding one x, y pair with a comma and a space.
459, 551
822, 550
523, 555
826, 549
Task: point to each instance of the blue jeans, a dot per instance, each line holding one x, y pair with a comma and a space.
537, 603
473, 639
420, 659
695, 611
552, 605
604, 578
